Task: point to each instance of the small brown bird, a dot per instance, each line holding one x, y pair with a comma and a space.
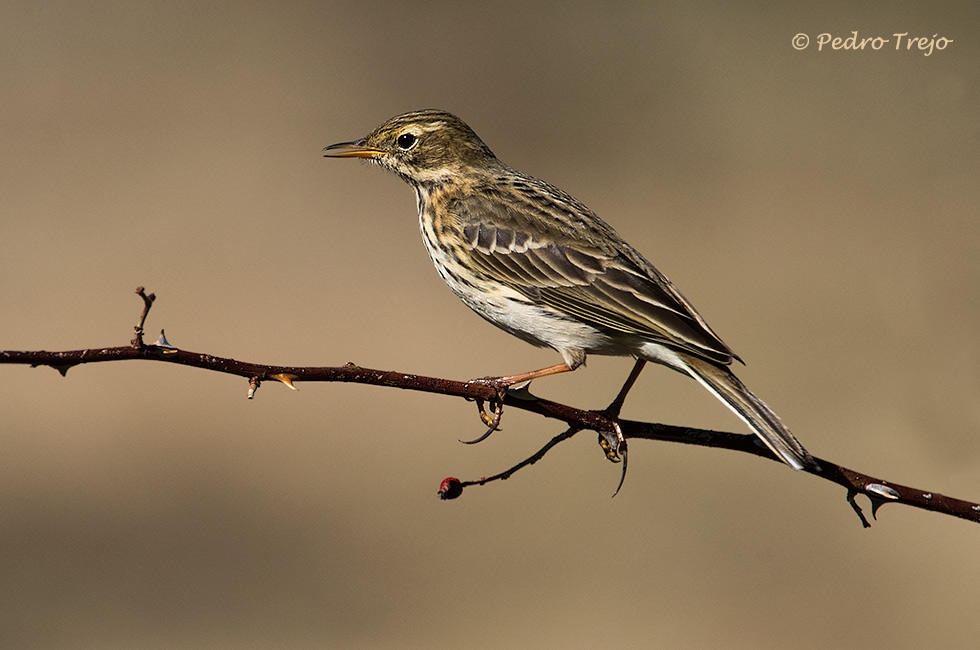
539, 264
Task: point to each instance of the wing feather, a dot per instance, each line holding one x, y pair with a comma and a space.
579, 266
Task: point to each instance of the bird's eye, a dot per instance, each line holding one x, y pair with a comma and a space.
406, 141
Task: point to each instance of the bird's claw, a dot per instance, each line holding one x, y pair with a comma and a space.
610, 449
492, 420
613, 444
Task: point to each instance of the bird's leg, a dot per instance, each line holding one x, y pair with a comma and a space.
510, 380
618, 450
500, 385
609, 446
617, 404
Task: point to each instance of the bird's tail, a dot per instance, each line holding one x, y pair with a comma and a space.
766, 424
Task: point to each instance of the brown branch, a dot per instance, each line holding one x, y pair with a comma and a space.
877, 490
147, 303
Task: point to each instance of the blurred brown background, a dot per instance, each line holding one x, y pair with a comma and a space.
820, 209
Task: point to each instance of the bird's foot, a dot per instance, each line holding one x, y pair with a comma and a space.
490, 418
613, 444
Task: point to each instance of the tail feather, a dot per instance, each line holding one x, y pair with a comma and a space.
766, 424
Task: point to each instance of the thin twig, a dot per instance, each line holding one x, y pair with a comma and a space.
527, 462
879, 491
147, 303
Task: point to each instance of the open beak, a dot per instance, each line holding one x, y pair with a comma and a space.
352, 150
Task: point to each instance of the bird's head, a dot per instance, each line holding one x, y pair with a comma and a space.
421, 146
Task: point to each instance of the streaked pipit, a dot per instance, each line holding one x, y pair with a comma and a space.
539, 264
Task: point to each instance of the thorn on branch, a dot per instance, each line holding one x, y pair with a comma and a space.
879, 495
163, 344
64, 369
285, 378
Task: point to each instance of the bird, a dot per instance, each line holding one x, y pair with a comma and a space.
539, 264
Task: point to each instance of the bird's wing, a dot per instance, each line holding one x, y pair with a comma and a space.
577, 264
